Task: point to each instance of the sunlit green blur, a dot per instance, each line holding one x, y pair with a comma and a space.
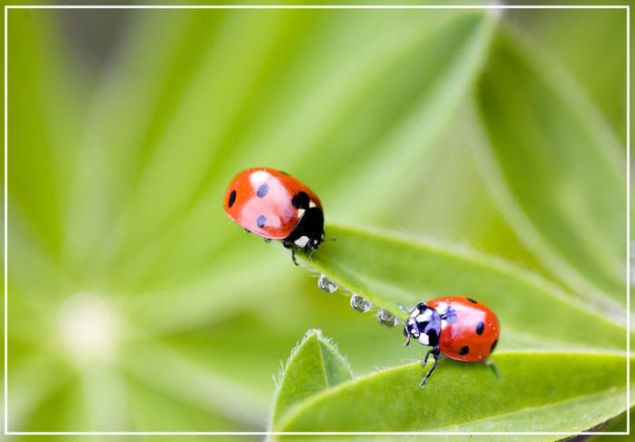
135, 304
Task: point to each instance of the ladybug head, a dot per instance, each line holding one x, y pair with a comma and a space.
424, 324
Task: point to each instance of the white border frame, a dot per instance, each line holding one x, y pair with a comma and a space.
7, 8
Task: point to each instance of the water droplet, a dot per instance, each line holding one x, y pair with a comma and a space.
360, 303
386, 319
327, 285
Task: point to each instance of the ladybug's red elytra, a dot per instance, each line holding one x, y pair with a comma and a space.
276, 206
459, 327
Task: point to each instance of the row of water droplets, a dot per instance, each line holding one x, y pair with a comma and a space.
358, 303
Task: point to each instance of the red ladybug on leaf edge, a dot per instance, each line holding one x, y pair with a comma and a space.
276, 206
461, 328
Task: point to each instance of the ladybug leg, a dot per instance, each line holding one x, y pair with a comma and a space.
289, 245
435, 353
403, 308
493, 366
267, 240
425, 360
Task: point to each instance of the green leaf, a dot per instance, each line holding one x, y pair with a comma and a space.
603, 38
615, 425
390, 270
618, 424
556, 169
547, 392
314, 365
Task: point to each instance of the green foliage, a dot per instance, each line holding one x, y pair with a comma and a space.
390, 270
574, 216
136, 305
314, 365
556, 391
548, 392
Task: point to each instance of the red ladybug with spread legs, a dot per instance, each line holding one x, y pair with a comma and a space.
460, 328
274, 205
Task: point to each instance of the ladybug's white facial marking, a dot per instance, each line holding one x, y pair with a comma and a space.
424, 324
301, 241
410, 330
423, 317
312, 204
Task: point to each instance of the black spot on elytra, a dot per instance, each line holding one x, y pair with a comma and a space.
232, 198
300, 200
261, 221
262, 190
450, 315
491, 349
472, 300
464, 350
480, 327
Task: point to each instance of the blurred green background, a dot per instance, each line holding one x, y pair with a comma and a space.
136, 305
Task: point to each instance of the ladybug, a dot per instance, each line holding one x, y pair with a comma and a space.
460, 328
274, 205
